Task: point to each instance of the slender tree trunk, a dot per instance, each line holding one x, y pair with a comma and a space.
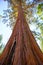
21, 48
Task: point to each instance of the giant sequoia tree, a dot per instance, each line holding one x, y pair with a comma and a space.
21, 49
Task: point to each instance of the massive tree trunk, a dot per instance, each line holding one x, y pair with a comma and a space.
21, 48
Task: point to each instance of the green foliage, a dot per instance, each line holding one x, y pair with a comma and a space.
0, 38
1, 45
40, 10
41, 43
41, 29
1, 48
40, 6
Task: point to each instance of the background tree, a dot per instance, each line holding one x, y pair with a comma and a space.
0, 38
1, 44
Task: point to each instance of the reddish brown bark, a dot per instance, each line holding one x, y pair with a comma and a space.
21, 48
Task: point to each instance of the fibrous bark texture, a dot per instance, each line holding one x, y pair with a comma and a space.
21, 48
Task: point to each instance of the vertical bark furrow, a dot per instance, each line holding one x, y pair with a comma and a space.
28, 51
